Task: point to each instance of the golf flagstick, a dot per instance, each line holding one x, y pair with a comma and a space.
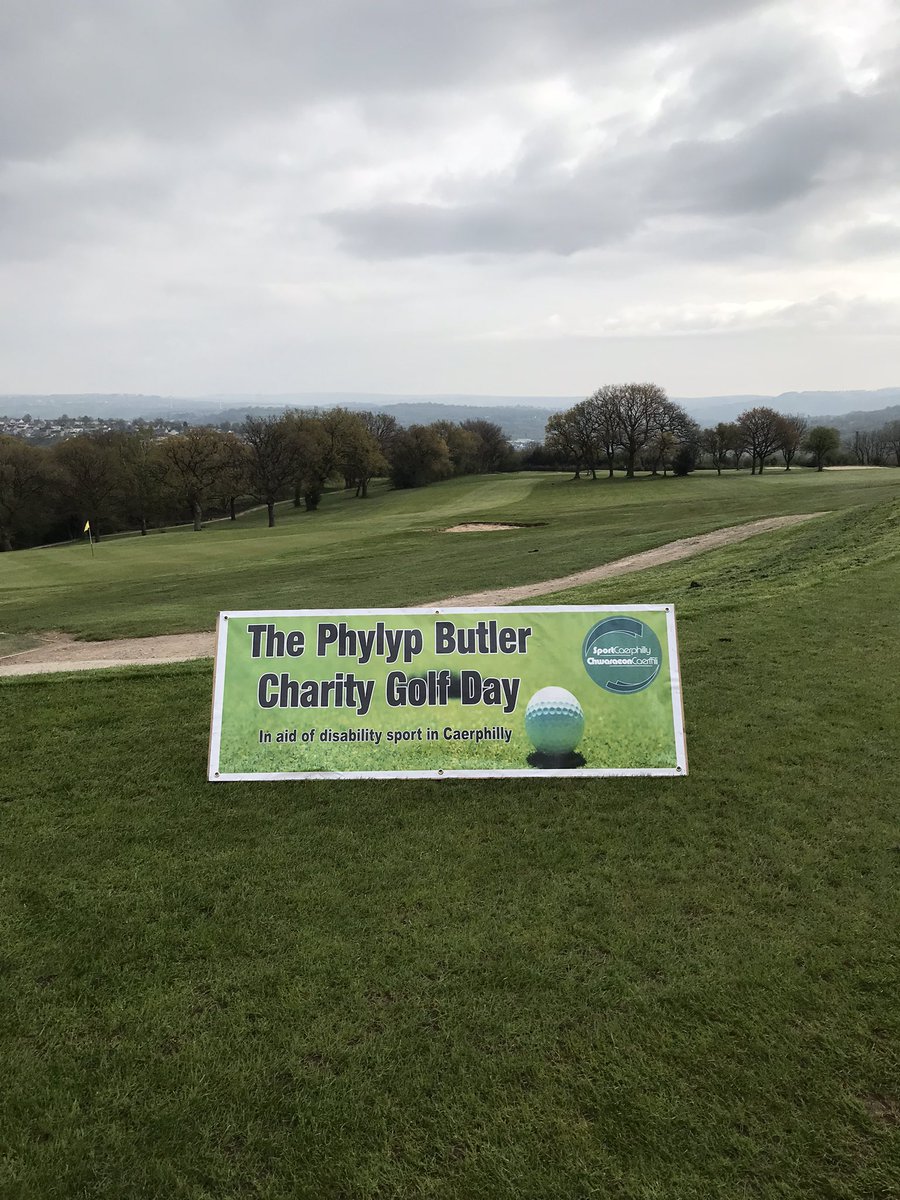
87, 530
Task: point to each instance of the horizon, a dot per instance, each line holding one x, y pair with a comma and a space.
258, 397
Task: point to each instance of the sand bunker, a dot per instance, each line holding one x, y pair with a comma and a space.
480, 527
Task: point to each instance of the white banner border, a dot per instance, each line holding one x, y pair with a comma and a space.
215, 738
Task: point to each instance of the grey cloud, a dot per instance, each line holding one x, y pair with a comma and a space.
784, 157
823, 150
75, 70
38, 223
544, 221
745, 79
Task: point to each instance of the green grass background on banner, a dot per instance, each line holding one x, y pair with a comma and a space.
621, 732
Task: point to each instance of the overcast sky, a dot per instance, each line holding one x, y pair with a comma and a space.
486, 196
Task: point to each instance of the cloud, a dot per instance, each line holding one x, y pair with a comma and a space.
311, 193
616, 190
168, 69
824, 313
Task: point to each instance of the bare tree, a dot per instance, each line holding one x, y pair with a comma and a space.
891, 435
739, 443
641, 408
607, 424
383, 428
870, 447
761, 426
562, 439
717, 442
792, 429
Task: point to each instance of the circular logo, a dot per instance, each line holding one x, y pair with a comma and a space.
622, 655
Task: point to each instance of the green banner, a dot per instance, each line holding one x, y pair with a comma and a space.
434, 693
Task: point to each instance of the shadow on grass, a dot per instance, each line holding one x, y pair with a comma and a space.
556, 762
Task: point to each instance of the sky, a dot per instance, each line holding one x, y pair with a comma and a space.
511, 197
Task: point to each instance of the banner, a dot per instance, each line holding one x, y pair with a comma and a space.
428, 693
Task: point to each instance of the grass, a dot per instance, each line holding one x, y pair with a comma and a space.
635, 989
387, 551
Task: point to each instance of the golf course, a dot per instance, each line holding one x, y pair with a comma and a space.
630, 988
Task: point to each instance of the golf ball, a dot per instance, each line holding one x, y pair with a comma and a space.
554, 721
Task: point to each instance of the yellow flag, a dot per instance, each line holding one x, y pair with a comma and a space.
87, 527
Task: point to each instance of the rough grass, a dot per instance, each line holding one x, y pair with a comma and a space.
634, 989
387, 552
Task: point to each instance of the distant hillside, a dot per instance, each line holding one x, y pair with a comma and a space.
821, 405
862, 421
520, 417
516, 421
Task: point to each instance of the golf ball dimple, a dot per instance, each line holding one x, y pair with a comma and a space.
554, 721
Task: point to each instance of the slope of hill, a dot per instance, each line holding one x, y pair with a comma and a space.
483, 988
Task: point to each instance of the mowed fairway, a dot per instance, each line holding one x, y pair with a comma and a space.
635, 989
389, 550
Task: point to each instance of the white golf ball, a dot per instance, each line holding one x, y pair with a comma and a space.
554, 721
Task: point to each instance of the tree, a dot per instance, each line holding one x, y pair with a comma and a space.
464, 447
637, 418
641, 411
791, 430
270, 462
870, 448
23, 481
494, 452
563, 440
314, 462
685, 459
607, 423
195, 460
232, 479
760, 426
360, 457
421, 456
822, 442
738, 443
718, 443
891, 436
383, 428
89, 475
661, 451
143, 475
585, 428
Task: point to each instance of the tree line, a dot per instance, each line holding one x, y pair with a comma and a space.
629, 427
762, 435
635, 426
134, 479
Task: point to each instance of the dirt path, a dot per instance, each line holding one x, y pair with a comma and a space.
60, 652
671, 552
